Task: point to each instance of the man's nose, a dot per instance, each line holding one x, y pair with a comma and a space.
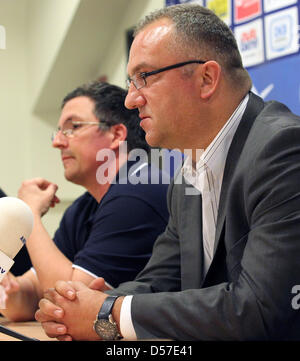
134, 98
59, 140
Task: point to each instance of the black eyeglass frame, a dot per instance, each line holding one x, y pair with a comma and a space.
145, 75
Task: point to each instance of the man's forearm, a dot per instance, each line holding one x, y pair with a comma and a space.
49, 263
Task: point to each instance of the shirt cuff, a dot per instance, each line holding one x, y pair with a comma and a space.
126, 325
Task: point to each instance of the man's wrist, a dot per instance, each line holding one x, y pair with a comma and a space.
37, 214
116, 311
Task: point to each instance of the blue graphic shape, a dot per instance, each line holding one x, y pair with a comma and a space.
283, 73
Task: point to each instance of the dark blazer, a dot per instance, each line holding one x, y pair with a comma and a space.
246, 294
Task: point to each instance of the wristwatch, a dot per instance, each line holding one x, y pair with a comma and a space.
104, 324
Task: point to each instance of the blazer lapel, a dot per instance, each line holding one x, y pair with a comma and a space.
254, 107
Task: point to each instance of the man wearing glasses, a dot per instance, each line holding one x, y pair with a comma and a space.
227, 266
109, 231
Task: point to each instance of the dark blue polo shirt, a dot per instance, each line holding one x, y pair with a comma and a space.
114, 239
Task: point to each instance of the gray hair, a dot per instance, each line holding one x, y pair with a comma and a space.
200, 33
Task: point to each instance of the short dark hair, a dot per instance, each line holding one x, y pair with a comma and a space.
202, 33
110, 109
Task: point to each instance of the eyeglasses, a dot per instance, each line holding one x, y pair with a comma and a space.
70, 128
139, 80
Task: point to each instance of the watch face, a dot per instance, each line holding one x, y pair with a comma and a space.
105, 329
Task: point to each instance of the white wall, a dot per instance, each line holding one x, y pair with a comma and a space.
14, 109
48, 23
115, 62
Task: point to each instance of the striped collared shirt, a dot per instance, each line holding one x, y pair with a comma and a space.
207, 178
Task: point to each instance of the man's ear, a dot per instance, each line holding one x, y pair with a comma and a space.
118, 134
209, 78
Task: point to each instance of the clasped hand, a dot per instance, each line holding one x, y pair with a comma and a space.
68, 310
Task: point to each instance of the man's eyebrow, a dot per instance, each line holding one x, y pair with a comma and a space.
70, 119
137, 69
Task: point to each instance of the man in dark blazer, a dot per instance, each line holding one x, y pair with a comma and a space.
226, 265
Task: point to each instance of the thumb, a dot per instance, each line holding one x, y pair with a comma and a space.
99, 284
51, 190
52, 187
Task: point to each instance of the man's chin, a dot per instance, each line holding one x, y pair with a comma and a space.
70, 176
155, 141
152, 140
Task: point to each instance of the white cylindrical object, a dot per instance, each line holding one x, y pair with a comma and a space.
16, 223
